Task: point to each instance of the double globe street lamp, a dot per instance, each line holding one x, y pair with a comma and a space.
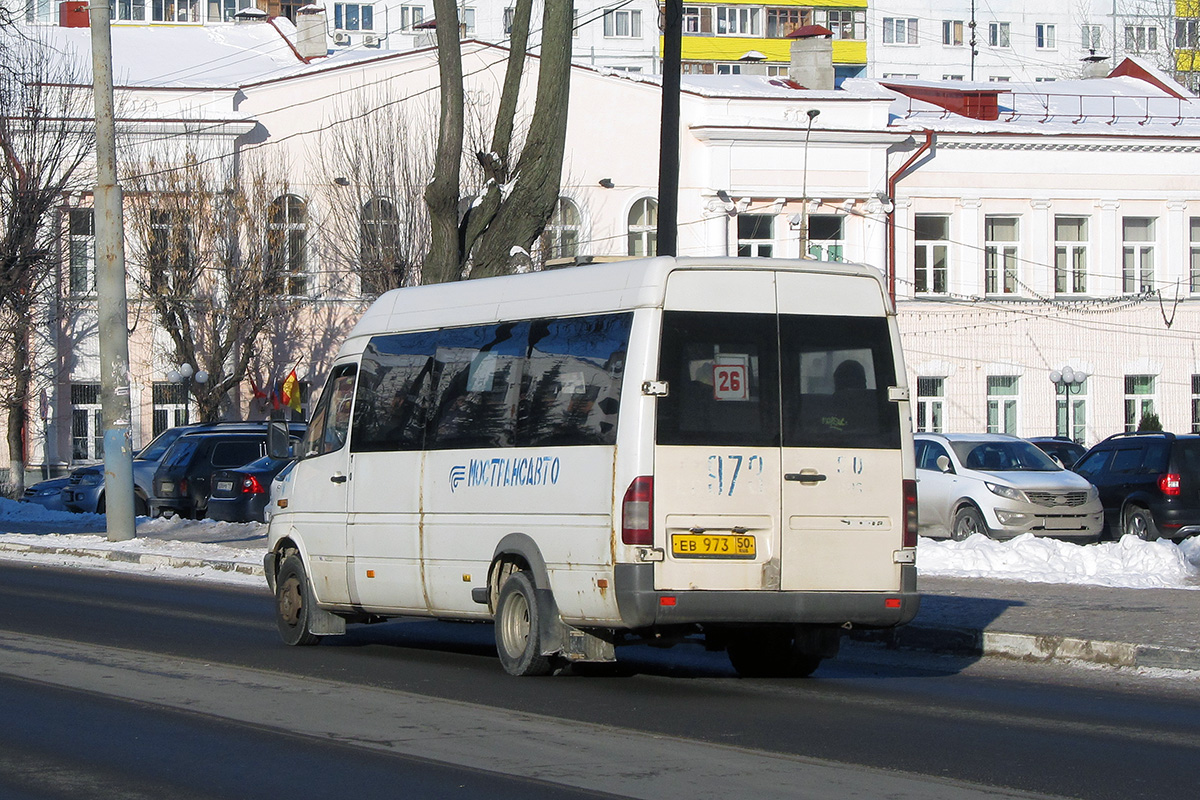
1068, 381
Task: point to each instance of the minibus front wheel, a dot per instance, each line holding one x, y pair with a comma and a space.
293, 603
518, 620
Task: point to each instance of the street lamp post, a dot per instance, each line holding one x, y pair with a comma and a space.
813, 113
1068, 381
186, 375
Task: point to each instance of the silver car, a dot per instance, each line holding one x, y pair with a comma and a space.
1000, 486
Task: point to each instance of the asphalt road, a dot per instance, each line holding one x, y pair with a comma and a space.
150, 689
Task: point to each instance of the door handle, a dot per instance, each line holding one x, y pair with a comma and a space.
805, 477
339, 478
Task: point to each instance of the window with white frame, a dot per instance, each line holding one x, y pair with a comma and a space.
224, 10
739, 21
353, 16
1044, 36
87, 423
953, 77
825, 237
1139, 399
561, 237
952, 32
642, 232
1194, 255
729, 69
697, 19
1001, 243
999, 78
170, 407
129, 11
1187, 34
289, 8
931, 399
175, 10
287, 246
1196, 404
623, 23
998, 34
509, 13
1002, 404
81, 248
410, 16
1137, 254
1070, 411
900, 30
1070, 254
466, 18
846, 24
41, 11
1141, 38
1090, 36
931, 253
756, 235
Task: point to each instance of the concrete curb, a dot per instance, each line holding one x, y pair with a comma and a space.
1032, 647
125, 556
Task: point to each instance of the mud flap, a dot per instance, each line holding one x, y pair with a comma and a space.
560, 639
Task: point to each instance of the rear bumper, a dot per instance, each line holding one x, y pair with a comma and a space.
642, 606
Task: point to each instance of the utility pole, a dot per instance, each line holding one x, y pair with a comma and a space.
110, 290
668, 146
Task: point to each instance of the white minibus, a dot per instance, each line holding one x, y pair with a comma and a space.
659, 450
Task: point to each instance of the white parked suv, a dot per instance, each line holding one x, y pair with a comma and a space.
1000, 486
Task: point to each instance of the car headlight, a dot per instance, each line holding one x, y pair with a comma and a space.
1007, 491
91, 479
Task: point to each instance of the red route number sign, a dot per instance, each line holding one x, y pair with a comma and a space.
729, 382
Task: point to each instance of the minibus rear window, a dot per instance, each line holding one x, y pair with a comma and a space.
737, 379
723, 381
836, 374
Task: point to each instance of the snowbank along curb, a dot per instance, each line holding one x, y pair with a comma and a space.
150, 559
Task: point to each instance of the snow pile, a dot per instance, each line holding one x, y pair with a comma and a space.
1129, 563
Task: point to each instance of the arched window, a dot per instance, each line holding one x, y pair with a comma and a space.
287, 246
562, 231
643, 227
380, 262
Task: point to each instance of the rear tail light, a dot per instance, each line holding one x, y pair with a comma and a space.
910, 513
250, 485
1169, 484
637, 512
183, 486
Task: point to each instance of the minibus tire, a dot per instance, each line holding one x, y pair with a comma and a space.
518, 618
293, 603
770, 654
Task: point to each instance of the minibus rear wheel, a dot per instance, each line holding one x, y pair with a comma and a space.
770, 653
292, 603
517, 628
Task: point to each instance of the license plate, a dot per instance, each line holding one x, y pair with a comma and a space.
224, 486
712, 545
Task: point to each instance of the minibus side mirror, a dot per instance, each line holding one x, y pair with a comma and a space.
279, 440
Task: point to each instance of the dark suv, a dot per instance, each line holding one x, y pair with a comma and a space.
181, 483
1149, 483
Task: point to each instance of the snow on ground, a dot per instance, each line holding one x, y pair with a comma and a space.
1129, 563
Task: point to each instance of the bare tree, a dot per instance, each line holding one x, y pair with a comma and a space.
219, 258
45, 140
521, 191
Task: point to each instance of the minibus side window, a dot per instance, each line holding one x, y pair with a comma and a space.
395, 392
721, 369
571, 389
836, 374
330, 423
478, 381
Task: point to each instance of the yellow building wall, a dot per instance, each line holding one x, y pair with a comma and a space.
731, 48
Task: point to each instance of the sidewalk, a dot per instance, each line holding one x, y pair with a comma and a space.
961, 616
1042, 621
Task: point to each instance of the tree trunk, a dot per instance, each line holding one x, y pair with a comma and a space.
18, 418
520, 219
442, 193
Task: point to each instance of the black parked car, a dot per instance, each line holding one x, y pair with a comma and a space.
183, 480
1149, 483
1063, 450
241, 495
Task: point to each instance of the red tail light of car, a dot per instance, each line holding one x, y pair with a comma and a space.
250, 485
1169, 484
